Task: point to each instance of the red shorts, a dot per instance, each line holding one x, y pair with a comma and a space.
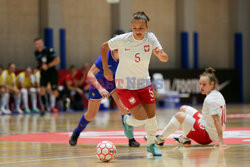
132, 98
199, 134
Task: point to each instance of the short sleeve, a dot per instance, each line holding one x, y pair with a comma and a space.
37, 77
114, 43
214, 108
98, 62
20, 78
52, 52
154, 41
32, 79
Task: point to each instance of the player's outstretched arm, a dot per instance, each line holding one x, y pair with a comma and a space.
218, 126
104, 54
162, 56
91, 77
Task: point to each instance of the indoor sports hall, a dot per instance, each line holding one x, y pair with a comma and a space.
37, 120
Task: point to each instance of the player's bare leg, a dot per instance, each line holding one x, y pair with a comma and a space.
93, 108
124, 112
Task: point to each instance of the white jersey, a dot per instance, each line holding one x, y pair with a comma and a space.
213, 104
134, 57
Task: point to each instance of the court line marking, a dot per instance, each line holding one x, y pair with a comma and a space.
238, 115
64, 158
61, 158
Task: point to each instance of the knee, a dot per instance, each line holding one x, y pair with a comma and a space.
42, 91
180, 116
32, 90
24, 91
90, 116
183, 108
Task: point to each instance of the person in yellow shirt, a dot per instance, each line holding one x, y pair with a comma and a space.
25, 82
2, 85
9, 79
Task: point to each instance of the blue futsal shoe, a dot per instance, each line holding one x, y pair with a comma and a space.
154, 150
128, 130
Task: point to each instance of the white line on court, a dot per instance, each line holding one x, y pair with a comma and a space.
60, 158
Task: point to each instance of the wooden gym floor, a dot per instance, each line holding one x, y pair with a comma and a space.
31, 140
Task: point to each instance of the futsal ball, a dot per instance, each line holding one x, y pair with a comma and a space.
105, 151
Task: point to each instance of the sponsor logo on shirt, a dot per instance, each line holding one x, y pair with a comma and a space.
127, 49
132, 100
146, 48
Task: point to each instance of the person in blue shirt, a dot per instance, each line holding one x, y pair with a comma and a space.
101, 88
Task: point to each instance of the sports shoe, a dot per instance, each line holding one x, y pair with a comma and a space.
36, 110
158, 140
128, 130
73, 139
182, 139
66, 104
19, 110
54, 110
154, 150
133, 143
5, 111
27, 111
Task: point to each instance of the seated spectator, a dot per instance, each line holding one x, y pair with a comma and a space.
83, 82
2, 86
9, 80
71, 91
26, 84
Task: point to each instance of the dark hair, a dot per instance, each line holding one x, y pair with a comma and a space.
210, 73
10, 64
141, 15
37, 39
72, 66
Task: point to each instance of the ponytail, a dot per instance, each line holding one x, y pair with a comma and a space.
210, 73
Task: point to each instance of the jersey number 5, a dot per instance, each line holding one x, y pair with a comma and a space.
137, 58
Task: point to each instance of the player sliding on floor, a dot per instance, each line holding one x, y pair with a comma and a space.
101, 88
203, 128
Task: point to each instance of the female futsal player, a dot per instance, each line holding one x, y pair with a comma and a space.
203, 128
101, 88
132, 78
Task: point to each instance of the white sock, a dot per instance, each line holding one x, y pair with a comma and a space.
171, 127
25, 98
17, 98
2, 101
5, 100
151, 127
134, 122
33, 98
52, 100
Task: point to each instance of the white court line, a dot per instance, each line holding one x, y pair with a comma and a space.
60, 158
90, 156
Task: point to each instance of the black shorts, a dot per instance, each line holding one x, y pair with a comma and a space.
49, 76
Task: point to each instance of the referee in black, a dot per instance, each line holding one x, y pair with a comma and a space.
46, 61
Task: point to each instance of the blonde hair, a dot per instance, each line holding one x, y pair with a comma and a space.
210, 73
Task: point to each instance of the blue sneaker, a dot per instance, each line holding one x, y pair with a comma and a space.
128, 130
154, 150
